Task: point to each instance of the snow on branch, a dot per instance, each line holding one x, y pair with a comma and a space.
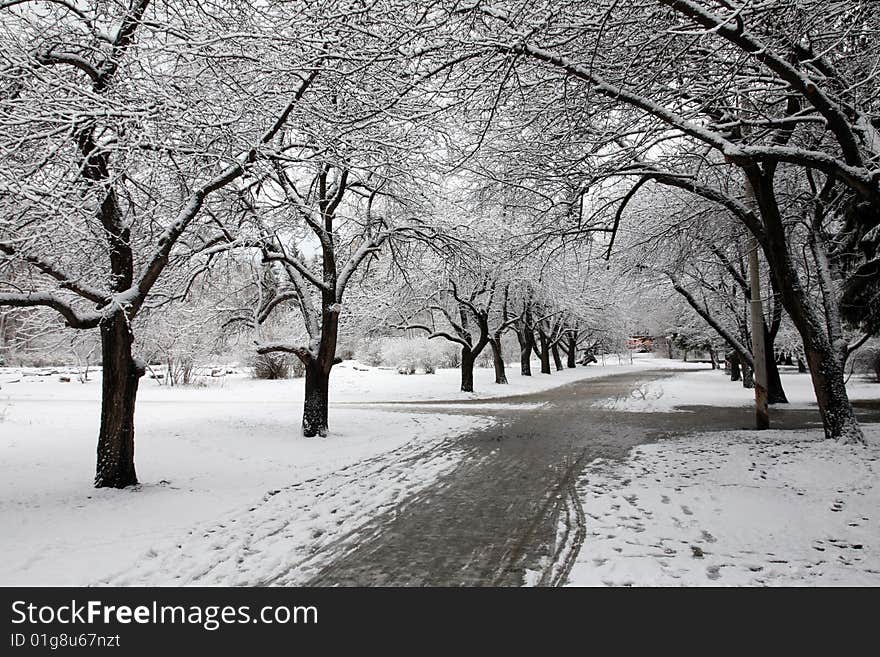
852, 171
73, 318
303, 353
189, 212
838, 122
65, 280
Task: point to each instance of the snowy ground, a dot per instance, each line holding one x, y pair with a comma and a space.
737, 508
205, 456
224, 470
733, 508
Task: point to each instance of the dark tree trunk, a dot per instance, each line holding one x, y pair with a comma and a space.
825, 359
121, 374
467, 370
317, 399
498, 361
544, 353
748, 376
838, 418
525, 352
557, 359
713, 359
525, 360
735, 371
319, 363
775, 392
317, 385
571, 361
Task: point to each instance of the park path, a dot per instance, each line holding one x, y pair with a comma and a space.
509, 513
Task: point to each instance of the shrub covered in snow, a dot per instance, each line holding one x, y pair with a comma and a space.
277, 366
403, 353
409, 355
369, 352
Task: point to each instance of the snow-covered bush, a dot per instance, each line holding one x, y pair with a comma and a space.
276, 365
411, 354
448, 355
402, 353
369, 352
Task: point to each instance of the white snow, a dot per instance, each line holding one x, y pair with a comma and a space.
207, 454
201, 454
734, 508
278, 540
231, 493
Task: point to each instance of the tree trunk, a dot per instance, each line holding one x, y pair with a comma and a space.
525, 353
525, 360
572, 353
544, 353
838, 417
748, 376
735, 371
119, 385
316, 402
820, 331
498, 361
317, 385
557, 359
467, 370
775, 392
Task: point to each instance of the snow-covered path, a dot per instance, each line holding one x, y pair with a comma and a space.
478, 509
514, 510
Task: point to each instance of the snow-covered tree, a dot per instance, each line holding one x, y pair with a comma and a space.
119, 123
768, 95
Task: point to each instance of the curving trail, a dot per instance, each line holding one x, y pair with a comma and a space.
509, 513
